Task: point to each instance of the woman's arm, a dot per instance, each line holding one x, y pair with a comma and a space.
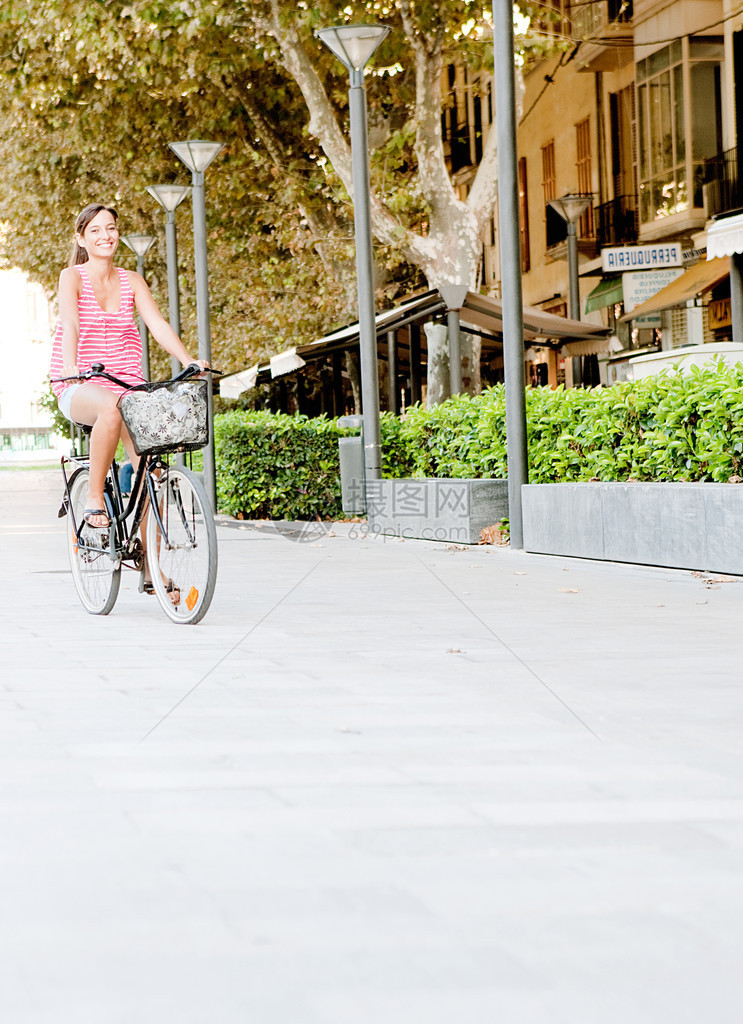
158, 326
69, 293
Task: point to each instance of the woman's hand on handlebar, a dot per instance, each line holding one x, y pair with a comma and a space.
202, 364
70, 370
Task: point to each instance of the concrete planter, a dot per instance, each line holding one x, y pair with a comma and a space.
448, 510
684, 526
684, 358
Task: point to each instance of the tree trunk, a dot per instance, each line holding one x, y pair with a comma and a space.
471, 347
354, 375
438, 364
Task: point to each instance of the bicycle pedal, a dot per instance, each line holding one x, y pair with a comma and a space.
145, 587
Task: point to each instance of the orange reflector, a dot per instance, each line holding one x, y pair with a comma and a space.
193, 596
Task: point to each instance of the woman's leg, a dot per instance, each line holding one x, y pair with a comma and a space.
96, 407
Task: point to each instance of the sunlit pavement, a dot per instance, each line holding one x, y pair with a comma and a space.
381, 782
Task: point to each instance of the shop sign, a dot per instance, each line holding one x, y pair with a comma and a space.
641, 257
693, 255
719, 314
644, 284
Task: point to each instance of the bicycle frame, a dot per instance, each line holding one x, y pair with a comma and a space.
120, 539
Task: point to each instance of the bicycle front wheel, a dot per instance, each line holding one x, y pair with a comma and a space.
182, 546
95, 574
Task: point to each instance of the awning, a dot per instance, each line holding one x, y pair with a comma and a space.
482, 310
234, 385
700, 278
480, 314
725, 237
594, 347
286, 362
607, 292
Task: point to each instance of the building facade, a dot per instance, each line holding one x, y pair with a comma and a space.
25, 351
641, 110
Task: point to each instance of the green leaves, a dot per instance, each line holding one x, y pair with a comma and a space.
676, 426
271, 466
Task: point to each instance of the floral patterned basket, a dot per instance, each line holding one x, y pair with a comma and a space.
166, 417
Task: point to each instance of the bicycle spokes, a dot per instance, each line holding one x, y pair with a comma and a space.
182, 546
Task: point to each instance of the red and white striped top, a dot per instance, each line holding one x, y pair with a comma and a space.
108, 338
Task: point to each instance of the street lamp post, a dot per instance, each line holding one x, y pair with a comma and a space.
197, 155
140, 246
510, 259
354, 46
454, 296
571, 208
170, 197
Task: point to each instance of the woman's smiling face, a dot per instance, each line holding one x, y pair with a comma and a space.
101, 236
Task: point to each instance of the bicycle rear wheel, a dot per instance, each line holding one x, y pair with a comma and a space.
95, 574
182, 546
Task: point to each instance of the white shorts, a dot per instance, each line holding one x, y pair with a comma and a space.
65, 400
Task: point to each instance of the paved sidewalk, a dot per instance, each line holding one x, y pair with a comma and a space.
383, 782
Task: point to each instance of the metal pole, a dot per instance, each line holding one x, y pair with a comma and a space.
573, 271
174, 303
510, 258
455, 359
143, 335
364, 272
736, 296
202, 320
174, 299
392, 368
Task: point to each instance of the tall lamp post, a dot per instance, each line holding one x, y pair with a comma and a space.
140, 246
571, 208
510, 259
354, 46
170, 197
197, 155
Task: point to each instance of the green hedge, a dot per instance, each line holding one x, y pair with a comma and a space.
272, 466
671, 426
668, 427
277, 467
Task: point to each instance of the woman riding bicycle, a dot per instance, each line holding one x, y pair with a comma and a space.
96, 324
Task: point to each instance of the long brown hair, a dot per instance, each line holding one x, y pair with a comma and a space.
79, 254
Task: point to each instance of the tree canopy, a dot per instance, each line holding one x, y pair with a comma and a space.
91, 93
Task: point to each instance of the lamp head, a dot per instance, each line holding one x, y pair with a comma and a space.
169, 196
197, 154
572, 206
353, 45
139, 244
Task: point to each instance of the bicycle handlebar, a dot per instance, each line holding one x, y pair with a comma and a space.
98, 370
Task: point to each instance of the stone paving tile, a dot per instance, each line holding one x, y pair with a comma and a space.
381, 781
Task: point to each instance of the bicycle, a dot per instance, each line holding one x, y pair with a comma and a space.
181, 538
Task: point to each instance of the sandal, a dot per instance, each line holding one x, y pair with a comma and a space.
91, 513
146, 587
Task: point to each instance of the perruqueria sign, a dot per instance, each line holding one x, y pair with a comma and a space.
641, 257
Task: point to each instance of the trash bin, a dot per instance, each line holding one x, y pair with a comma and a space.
351, 453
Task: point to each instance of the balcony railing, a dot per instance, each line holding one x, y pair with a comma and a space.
592, 19
723, 181
617, 221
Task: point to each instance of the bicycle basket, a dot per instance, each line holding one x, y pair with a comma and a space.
166, 417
